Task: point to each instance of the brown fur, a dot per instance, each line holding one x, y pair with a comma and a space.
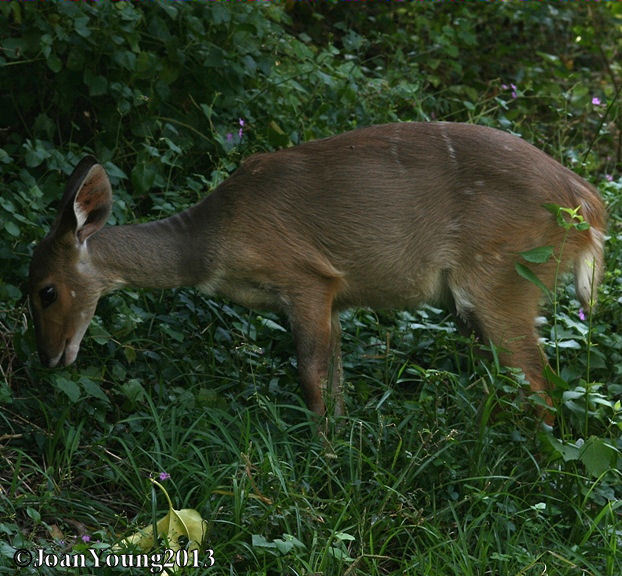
388, 216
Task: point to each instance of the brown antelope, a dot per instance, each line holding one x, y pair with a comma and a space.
387, 216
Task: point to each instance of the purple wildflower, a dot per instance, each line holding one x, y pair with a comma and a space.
581, 315
609, 177
511, 87
86, 538
596, 101
229, 137
164, 476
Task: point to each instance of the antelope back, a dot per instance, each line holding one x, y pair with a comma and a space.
403, 213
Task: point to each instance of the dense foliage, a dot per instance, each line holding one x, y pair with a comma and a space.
418, 478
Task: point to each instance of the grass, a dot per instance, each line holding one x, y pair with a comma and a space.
423, 476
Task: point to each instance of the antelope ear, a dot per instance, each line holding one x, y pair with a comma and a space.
92, 202
87, 200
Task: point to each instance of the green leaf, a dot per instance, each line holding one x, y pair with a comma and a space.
5, 395
4, 157
555, 379
276, 135
76, 59
597, 456
143, 176
99, 334
15, 47
125, 59
568, 452
134, 390
11, 228
174, 334
170, 10
573, 395
68, 387
259, 541
98, 85
130, 354
569, 344
36, 153
283, 546
529, 275
271, 325
93, 389
54, 63
9, 292
81, 26
538, 255
33, 514
339, 554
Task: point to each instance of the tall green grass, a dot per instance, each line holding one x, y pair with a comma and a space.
421, 477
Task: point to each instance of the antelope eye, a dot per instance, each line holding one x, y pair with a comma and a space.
48, 295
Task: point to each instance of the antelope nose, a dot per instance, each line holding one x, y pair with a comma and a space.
44, 358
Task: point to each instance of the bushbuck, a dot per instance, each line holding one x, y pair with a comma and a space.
389, 216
